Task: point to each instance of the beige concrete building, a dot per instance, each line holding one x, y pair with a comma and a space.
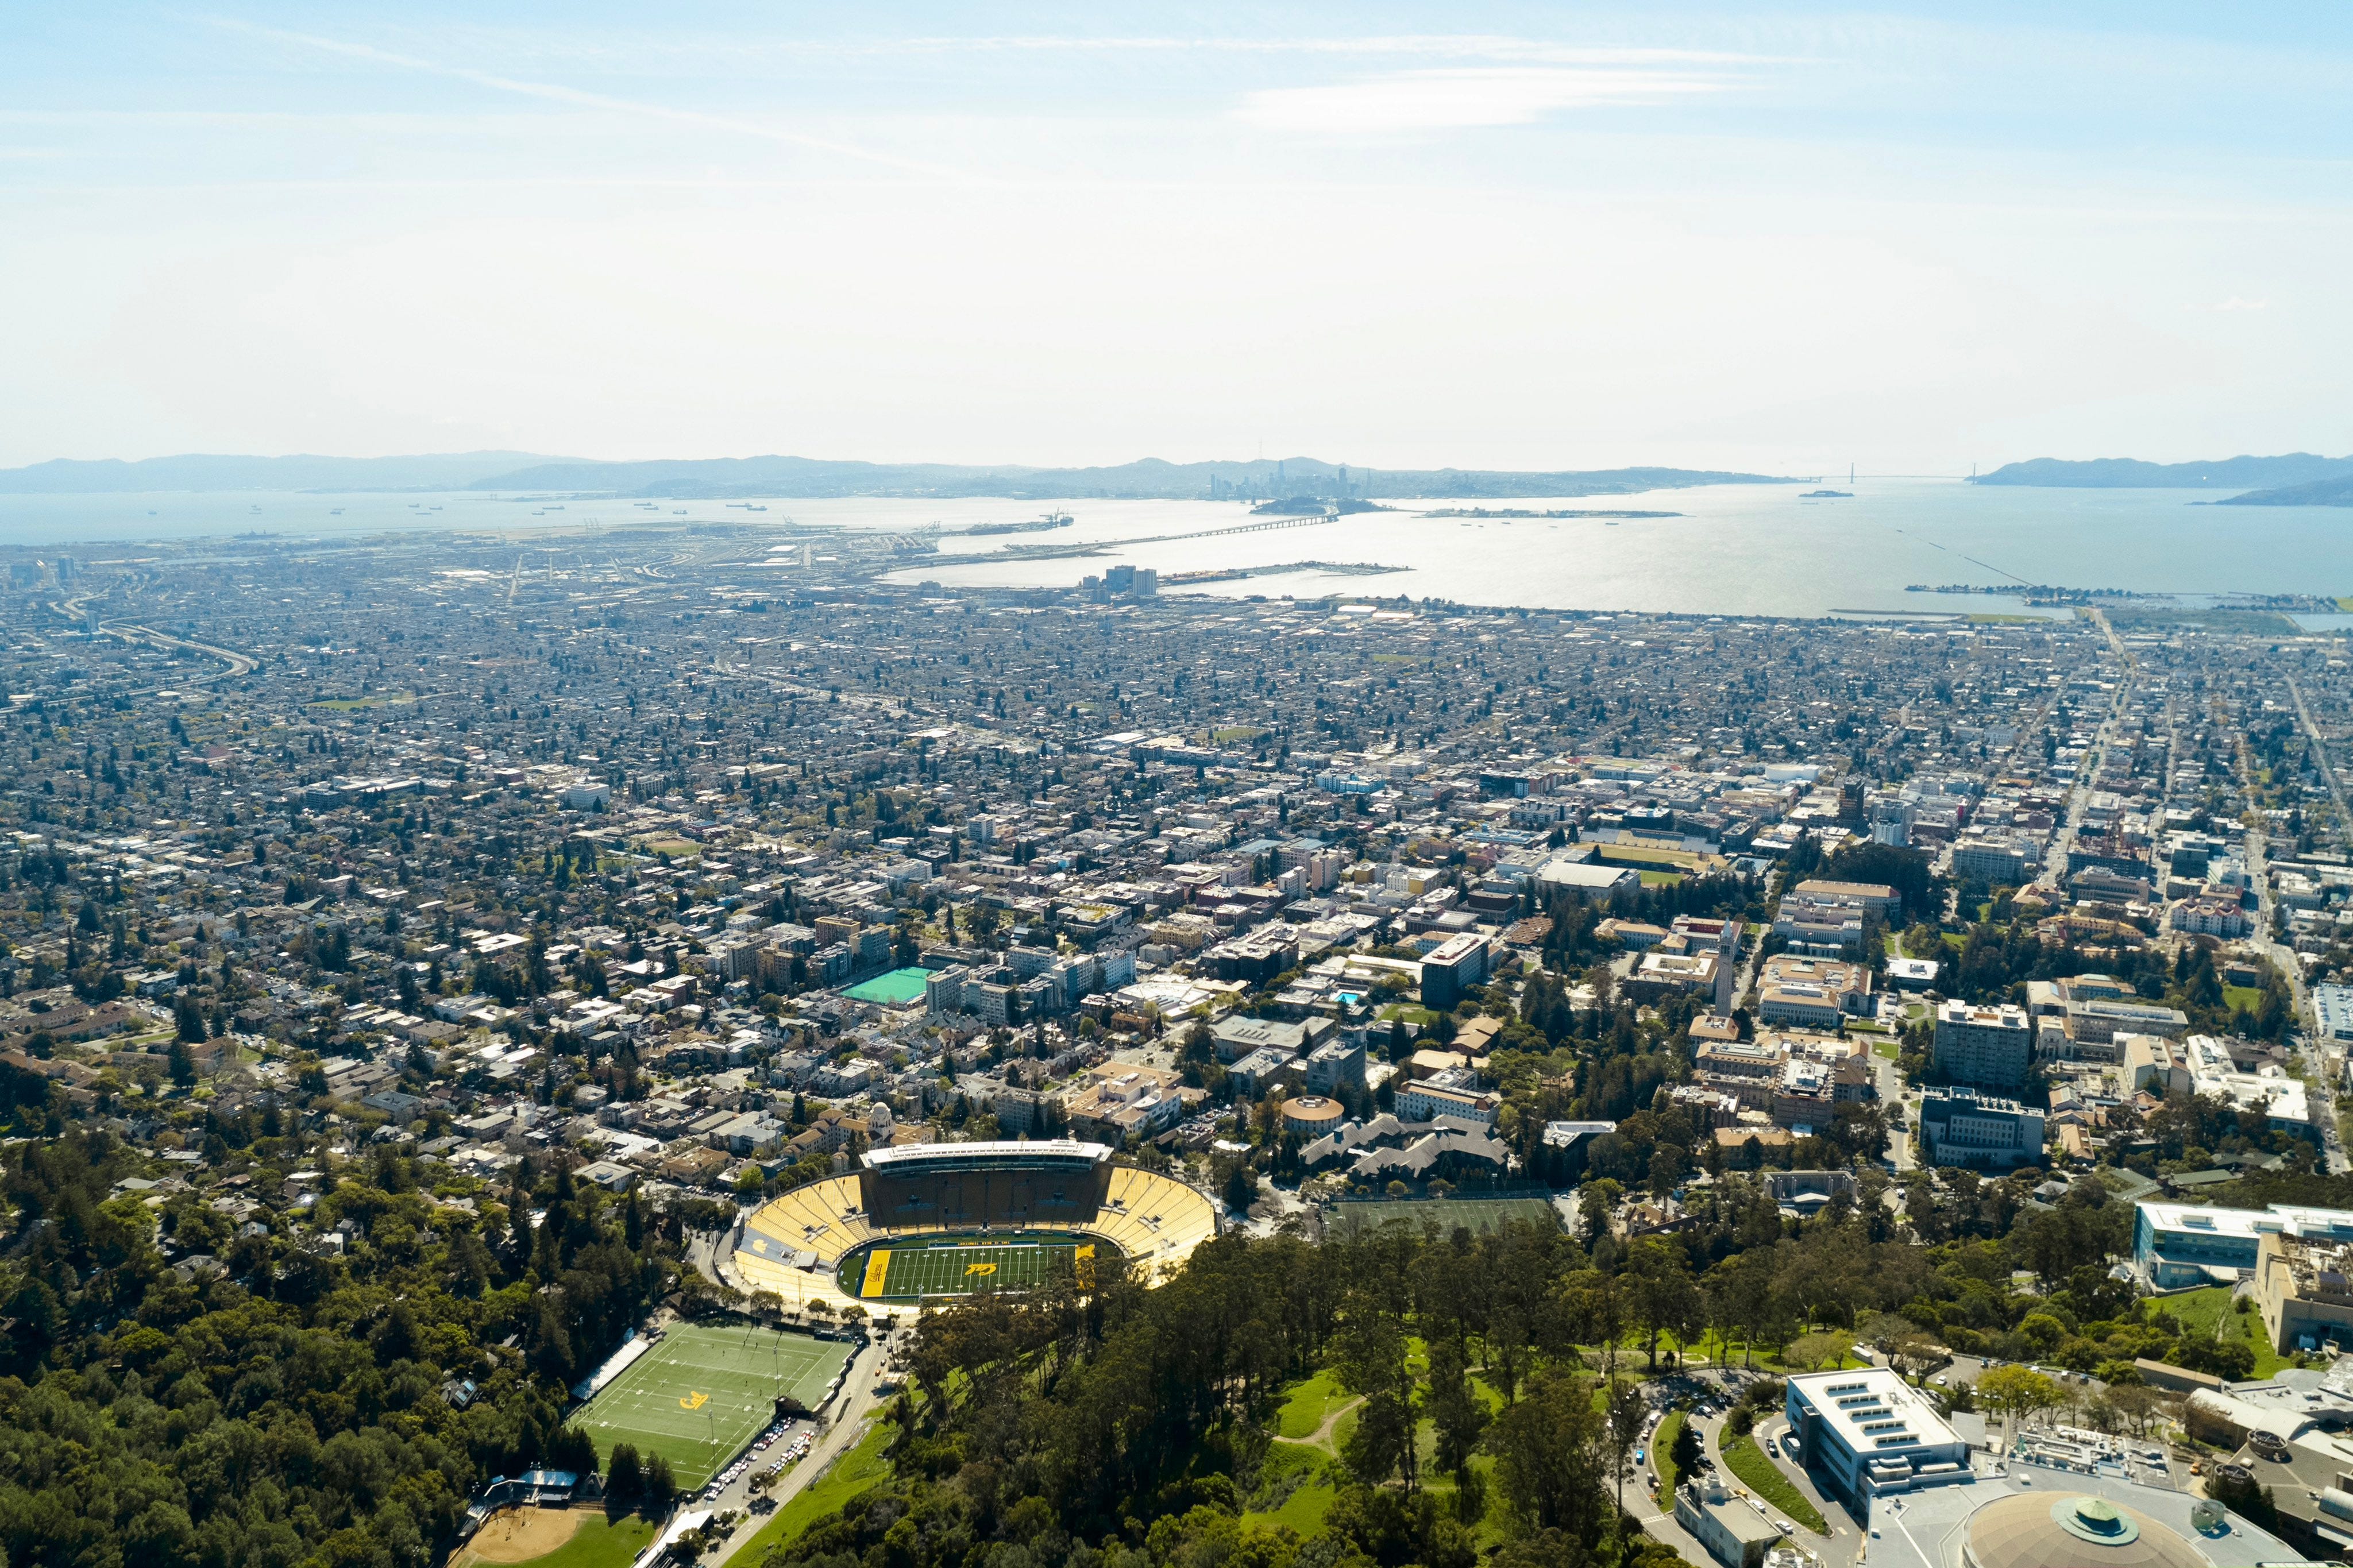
2303, 1289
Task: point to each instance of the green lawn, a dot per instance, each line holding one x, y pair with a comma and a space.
1663, 879
1745, 1459
2204, 1311
856, 1470
601, 1543
1304, 1510
1307, 1405
1663, 1447
700, 1394
376, 700
2242, 998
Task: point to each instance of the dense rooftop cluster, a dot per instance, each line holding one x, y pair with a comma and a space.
412, 887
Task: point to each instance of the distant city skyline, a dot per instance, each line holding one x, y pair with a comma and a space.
1499, 236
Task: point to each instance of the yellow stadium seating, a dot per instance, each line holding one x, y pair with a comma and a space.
1154, 1220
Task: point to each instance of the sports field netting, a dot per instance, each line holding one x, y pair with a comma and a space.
1474, 1213
702, 1393
905, 1272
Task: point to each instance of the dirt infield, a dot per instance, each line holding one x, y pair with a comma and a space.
520, 1535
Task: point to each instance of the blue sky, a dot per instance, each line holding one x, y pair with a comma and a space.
1494, 234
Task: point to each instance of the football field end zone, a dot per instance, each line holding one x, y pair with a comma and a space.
903, 1270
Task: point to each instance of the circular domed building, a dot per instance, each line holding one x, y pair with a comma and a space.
1313, 1115
2038, 1530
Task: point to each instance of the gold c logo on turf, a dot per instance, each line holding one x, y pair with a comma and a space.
980, 1268
694, 1402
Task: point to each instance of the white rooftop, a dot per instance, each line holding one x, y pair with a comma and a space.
2292, 1220
1874, 1412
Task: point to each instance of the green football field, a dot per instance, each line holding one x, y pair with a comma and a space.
911, 1270
701, 1393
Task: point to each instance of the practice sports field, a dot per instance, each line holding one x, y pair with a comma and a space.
957, 1266
895, 989
1473, 1214
702, 1393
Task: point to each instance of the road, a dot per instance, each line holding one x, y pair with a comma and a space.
238, 664
843, 1428
1840, 1549
2079, 796
2329, 1060
2328, 768
1895, 1100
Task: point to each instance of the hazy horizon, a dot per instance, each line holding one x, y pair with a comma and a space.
1503, 237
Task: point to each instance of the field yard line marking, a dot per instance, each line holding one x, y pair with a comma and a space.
877, 1268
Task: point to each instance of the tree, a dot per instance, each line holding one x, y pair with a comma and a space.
2018, 1392
1595, 1308
1628, 1410
1368, 1357
1685, 1451
1915, 1355
1666, 1301
660, 1486
1594, 1201
183, 1065
1818, 1350
1881, 1331
624, 1473
1458, 1414
2138, 1403
1549, 1450
1241, 1189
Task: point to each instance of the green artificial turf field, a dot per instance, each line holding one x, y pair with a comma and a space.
895, 989
702, 1393
943, 1266
1474, 1213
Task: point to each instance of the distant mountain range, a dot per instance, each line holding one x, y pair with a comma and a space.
452, 471
2319, 492
2297, 478
2127, 473
786, 477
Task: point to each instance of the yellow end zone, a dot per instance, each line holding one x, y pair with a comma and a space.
878, 1265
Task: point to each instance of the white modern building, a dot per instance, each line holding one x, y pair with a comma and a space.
1862, 1434
2178, 1245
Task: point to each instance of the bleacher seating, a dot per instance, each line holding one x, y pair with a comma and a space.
1154, 1220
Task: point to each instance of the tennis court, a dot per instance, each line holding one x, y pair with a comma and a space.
910, 1270
701, 1393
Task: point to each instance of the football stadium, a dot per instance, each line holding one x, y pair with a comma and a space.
928, 1221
